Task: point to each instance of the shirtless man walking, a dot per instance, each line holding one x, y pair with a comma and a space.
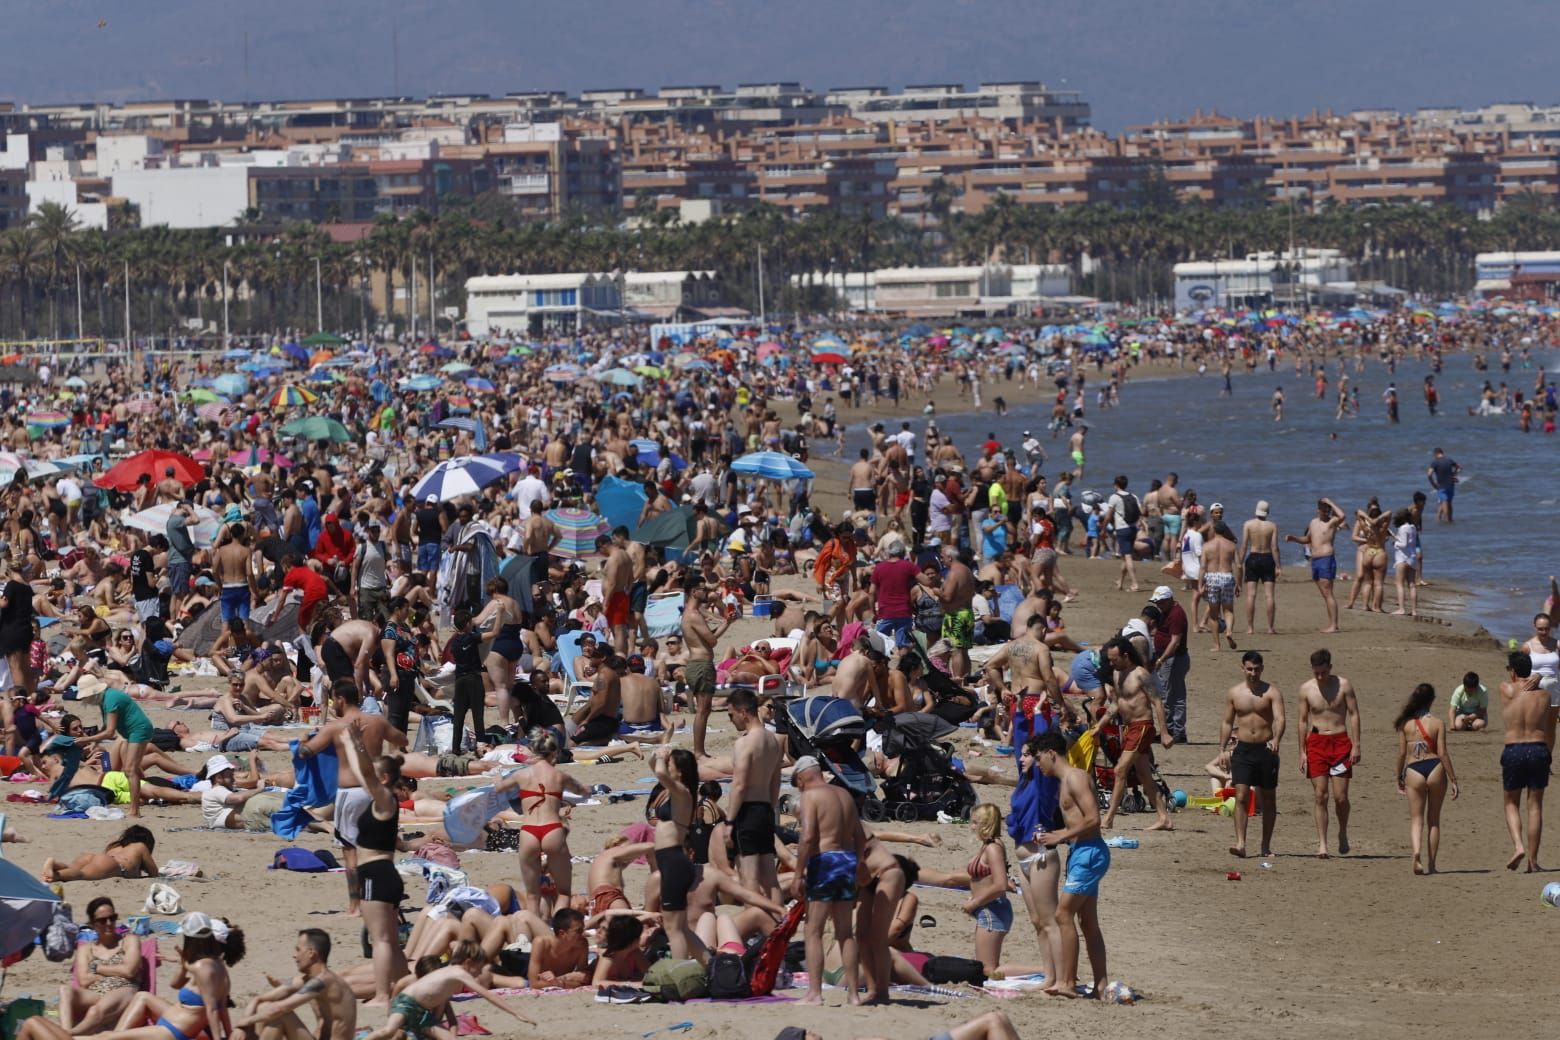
1254, 715
234, 574
864, 488
829, 853
1329, 732
1141, 713
755, 787
617, 576
1318, 540
956, 595
1218, 582
273, 1015
1259, 555
700, 640
1529, 723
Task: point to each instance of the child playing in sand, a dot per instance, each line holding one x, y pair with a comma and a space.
422, 1003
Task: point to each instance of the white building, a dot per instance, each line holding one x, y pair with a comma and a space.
1259, 280
1494, 271
14, 152
117, 153
1034, 281
186, 198
523, 303
63, 193
671, 295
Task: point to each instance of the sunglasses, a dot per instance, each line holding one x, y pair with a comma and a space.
106, 920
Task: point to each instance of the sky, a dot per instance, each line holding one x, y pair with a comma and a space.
1134, 60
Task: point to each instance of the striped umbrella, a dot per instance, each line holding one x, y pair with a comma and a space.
203, 532
465, 475
291, 397
563, 373
480, 384
771, 465
230, 384
215, 411
580, 528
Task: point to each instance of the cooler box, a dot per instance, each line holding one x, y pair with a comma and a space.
765, 607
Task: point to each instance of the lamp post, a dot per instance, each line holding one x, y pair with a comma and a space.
319, 298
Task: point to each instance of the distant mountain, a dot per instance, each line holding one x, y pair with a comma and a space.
1135, 60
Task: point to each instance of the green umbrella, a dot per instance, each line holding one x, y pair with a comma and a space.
200, 395
673, 529
323, 339
317, 428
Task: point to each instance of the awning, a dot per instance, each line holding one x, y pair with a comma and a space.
1492, 285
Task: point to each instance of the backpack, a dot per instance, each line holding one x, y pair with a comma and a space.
59, 939
942, 970
673, 981
1131, 508
728, 978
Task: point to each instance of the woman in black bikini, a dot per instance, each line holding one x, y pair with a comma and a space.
539, 789
1424, 771
378, 840
678, 772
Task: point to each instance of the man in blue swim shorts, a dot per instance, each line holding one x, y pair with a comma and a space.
831, 844
1078, 907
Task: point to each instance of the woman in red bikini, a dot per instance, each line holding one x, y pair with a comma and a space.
538, 798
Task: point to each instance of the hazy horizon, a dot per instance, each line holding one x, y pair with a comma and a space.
1133, 62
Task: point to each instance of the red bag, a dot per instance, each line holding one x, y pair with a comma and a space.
770, 956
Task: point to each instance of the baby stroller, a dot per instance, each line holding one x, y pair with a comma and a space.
926, 780
828, 727
1106, 754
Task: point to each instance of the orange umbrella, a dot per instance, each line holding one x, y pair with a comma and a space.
319, 357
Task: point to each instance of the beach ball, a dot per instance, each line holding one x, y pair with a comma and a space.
1180, 798
1117, 992
1512, 644
1551, 894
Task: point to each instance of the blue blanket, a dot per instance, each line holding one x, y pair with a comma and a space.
315, 786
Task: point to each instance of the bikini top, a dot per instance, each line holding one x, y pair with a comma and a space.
540, 795
977, 868
190, 998
1422, 747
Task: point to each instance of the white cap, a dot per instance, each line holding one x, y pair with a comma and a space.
1262, 508
217, 764
1136, 627
197, 925
803, 764
431, 499
1162, 592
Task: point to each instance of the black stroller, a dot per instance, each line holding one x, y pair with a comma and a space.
925, 780
828, 728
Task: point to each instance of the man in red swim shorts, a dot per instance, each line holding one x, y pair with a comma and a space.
1329, 729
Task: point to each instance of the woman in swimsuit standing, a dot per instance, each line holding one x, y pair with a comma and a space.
539, 789
988, 902
1424, 771
127, 856
1545, 652
508, 645
678, 772
378, 840
1370, 559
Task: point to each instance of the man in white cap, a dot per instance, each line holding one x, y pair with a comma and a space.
1171, 659
1258, 553
222, 807
428, 524
1034, 451
830, 848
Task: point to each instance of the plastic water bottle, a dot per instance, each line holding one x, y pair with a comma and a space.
1117, 841
1551, 894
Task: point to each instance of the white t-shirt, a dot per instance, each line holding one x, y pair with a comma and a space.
212, 807
1118, 510
1191, 555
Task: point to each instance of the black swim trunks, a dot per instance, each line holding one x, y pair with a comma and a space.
1254, 765
1525, 767
338, 664
1260, 567
753, 829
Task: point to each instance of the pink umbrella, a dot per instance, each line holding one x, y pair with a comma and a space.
766, 349
938, 341
214, 411
142, 404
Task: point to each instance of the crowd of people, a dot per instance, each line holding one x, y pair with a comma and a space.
437, 591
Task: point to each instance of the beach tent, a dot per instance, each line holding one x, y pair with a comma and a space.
29, 907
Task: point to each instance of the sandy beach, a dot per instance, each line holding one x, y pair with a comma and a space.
1298, 947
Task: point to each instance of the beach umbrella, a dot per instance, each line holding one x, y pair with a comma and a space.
317, 428
291, 397
771, 465
76, 383
673, 529
323, 339
214, 411
484, 385
201, 395
829, 341
322, 376
580, 528
154, 462
620, 501
296, 352
619, 377
48, 420
651, 371
422, 383
769, 348
11, 464
465, 475
320, 357
236, 354
155, 521
74, 462
455, 368
678, 360
261, 367
698, 365
29, 907
562, 373
827, 357
338, 362
230, 385
643, 444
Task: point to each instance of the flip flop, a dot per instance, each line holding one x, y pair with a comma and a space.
927, 921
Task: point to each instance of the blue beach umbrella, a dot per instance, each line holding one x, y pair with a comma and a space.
771, 465
620, 501
465, 475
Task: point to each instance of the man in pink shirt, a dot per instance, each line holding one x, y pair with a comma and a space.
891, 583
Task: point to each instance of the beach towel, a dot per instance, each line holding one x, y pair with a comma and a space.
663, 615
1008, 599
468, 813
315, 785
70, 757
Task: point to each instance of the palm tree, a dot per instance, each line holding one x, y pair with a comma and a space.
21, 261
57, 230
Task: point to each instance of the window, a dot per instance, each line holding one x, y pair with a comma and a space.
947, 289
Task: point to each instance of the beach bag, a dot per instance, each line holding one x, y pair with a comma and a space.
304, 861
163, 899
728, 979
671, 981
59, 939
943, 970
